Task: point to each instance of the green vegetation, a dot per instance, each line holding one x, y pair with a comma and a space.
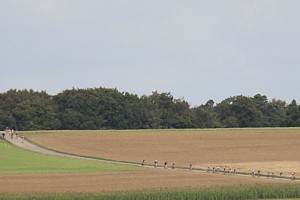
103, 108
224, 193
15, 160
159, 131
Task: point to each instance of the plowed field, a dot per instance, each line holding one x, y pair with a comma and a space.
118, 181
247, 149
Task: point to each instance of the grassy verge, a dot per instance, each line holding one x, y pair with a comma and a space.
160, 131
15, 160
223, 193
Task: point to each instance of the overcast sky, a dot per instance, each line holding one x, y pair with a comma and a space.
195, 49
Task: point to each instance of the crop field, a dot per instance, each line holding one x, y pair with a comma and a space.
274, 150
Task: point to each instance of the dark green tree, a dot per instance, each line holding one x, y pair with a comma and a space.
293, 114
204, 116
27, 110
239, 111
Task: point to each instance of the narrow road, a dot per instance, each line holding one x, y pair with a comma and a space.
32, 147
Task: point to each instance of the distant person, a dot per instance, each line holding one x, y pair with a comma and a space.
273, 175
143, 163
253, 173
214, 169
258, 173
293, 176
155, 163
8, 132
3, 135
23, 138
280, 174
234, 171
166, 165
208, 168
173, 165
191, 167
224, 170
268, 174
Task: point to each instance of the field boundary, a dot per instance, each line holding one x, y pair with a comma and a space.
159, 131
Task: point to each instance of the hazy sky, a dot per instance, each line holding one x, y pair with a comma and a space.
195, 49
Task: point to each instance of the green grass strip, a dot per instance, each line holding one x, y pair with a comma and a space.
15, 160
160, 131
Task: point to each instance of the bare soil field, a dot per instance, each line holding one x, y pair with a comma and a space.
247, 149
120, 181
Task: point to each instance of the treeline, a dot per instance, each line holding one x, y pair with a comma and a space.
104, 108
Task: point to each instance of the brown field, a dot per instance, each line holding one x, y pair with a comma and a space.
247, 149
120, 181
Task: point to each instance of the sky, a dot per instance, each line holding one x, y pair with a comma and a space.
194, 49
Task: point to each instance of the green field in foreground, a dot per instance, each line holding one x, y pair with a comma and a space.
14, 160
269, 192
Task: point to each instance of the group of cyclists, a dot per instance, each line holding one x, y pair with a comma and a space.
225, 170
11, 133
165, 164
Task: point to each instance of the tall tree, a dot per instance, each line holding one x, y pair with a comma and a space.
293, 114
239, 111
27, 110
204, 116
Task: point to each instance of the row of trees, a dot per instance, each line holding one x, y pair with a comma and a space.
103, 108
